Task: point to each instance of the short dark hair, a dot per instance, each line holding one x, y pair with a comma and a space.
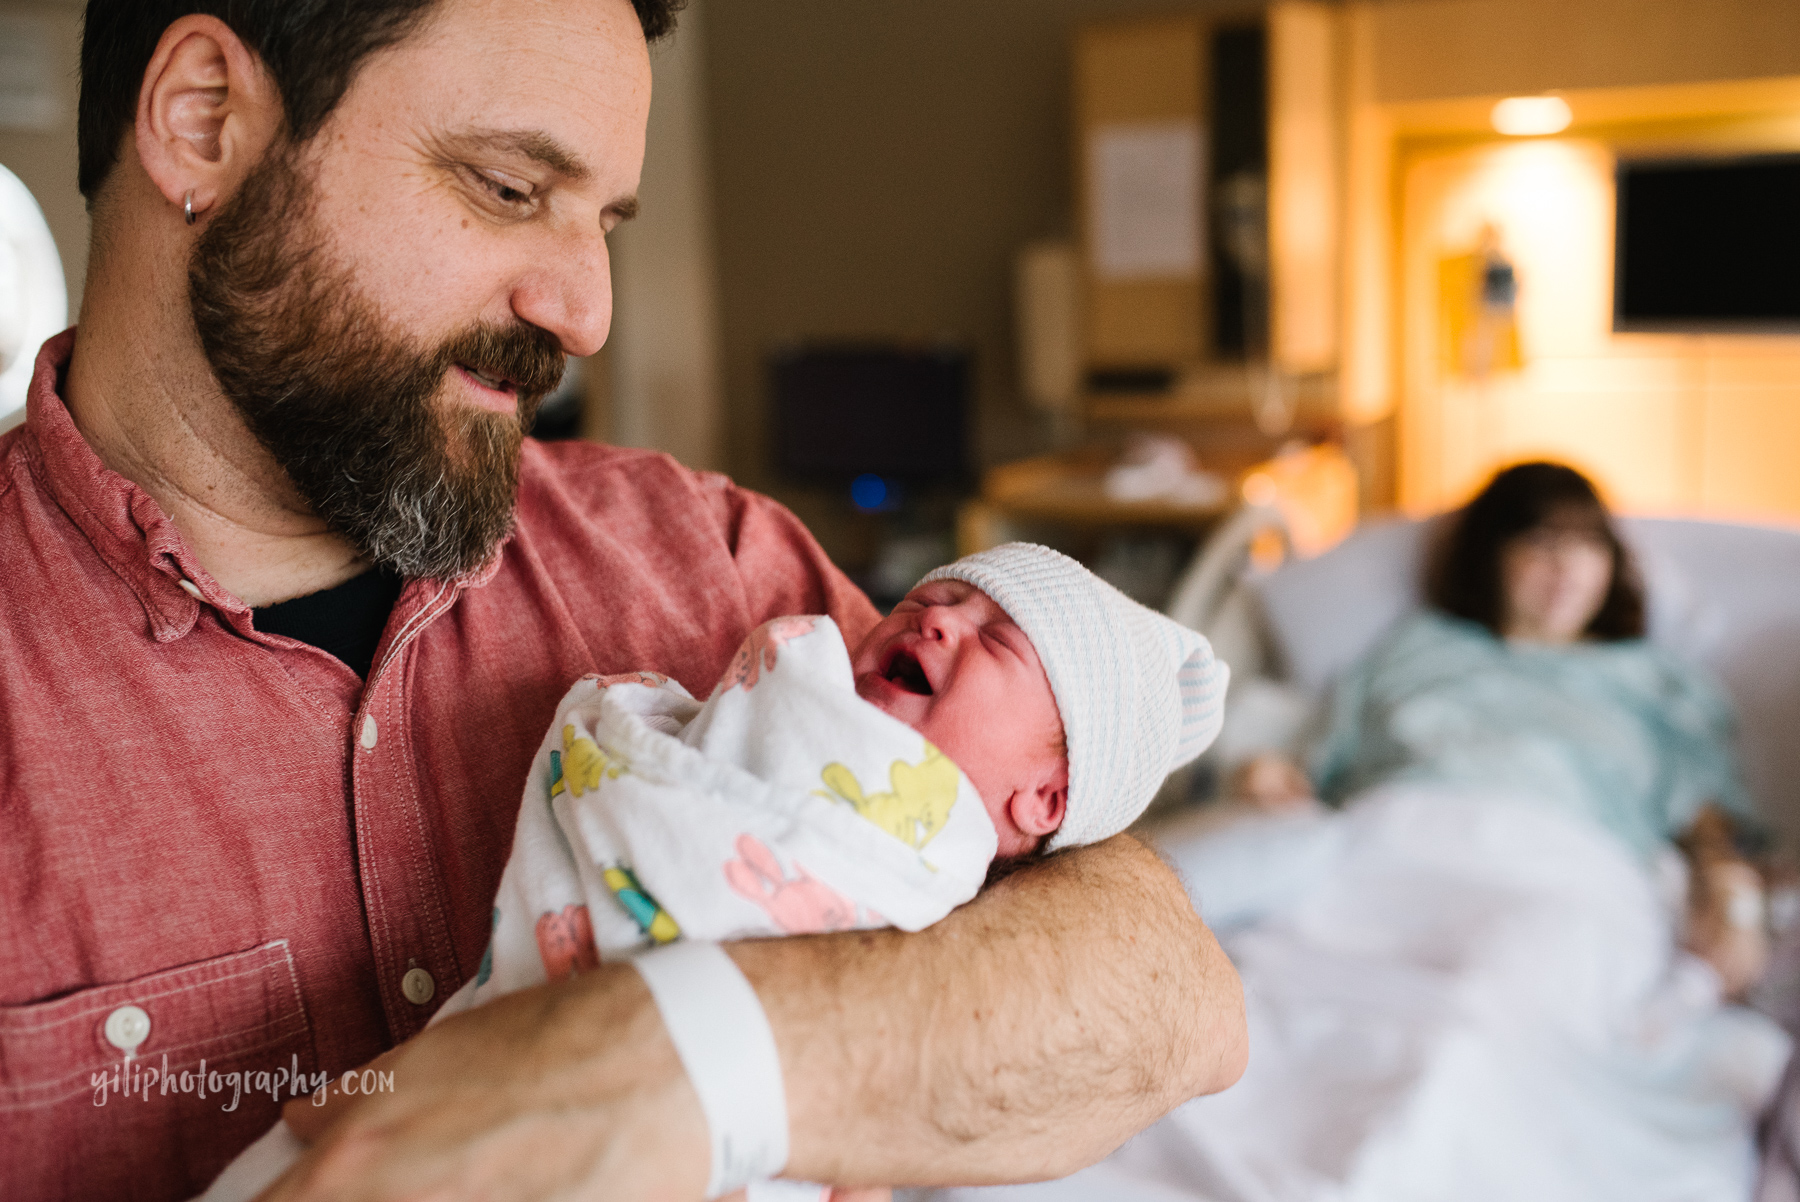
1464, 578
312, 49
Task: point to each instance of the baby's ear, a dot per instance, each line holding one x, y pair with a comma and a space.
1039, 812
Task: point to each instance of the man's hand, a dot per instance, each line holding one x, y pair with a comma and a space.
1023, 1037
566, 1090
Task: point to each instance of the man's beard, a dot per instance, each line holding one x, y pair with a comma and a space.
347, 405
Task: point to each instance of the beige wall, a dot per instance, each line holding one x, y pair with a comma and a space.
875, 167
664, 346
1664, 422
1427, 49
45, 160
1421, 77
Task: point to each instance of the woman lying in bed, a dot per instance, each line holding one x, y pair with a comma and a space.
1529, 676
1465, 981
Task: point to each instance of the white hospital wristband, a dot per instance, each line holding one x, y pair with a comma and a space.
723, 1038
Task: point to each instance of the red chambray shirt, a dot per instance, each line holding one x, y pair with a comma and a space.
220, 846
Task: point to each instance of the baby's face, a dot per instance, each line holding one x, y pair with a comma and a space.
952, 665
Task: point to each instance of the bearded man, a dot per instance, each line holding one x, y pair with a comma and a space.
289, 599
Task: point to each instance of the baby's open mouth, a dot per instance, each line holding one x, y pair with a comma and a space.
903, 669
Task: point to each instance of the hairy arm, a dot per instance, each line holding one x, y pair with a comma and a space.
1023, 1037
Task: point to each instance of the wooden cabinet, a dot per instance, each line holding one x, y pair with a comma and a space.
1138, 116
1156, 78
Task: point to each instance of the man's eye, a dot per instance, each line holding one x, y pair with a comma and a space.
502, 191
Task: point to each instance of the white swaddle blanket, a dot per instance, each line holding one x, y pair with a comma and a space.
785, 804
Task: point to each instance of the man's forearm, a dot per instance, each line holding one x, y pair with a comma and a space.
1023, 1037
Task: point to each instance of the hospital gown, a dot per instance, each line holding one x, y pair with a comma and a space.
1619, 733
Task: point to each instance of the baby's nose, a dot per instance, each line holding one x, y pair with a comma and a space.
938, 621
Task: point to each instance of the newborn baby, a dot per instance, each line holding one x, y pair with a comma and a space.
1013, 703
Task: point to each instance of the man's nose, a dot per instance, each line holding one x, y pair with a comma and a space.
569, 293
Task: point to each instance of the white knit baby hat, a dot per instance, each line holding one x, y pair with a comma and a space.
1140, 695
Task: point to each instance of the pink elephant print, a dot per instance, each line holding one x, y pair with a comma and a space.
799, 906
757, 654
566, 942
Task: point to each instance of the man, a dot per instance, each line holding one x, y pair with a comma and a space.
288, 603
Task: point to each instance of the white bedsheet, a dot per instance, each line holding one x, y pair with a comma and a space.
1451, 997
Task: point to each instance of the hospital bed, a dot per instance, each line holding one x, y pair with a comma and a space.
1723, 595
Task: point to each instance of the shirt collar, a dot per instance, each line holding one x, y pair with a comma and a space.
127, 528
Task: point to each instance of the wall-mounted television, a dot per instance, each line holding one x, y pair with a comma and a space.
1708, 244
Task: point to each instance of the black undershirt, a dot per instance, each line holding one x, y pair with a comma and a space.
346, 621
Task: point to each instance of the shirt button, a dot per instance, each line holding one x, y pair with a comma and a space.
126, 1028
418, 986
189, 587
369, 733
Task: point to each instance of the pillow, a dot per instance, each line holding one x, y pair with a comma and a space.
1324, 613
1728, 598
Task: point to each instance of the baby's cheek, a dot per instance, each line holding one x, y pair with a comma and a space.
943, 732
970, 750
996, 812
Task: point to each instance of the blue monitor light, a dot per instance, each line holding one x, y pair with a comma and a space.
870, 493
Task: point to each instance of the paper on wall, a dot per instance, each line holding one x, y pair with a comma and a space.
1144, 210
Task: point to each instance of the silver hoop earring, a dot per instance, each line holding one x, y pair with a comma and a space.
187, 206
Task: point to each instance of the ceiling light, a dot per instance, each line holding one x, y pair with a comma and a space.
1523, 116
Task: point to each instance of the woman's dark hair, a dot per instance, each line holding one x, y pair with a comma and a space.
312, 49
1464, 579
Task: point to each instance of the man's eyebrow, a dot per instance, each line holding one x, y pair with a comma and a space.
533, 144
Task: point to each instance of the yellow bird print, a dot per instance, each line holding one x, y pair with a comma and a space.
581, 764
918, 801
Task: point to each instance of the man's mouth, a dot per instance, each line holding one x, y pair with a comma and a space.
904, 671
497, 383
496, 394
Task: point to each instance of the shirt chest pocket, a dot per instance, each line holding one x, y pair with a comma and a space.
150, 1086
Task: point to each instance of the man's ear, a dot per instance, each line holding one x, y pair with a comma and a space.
1040, 811
206, 114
